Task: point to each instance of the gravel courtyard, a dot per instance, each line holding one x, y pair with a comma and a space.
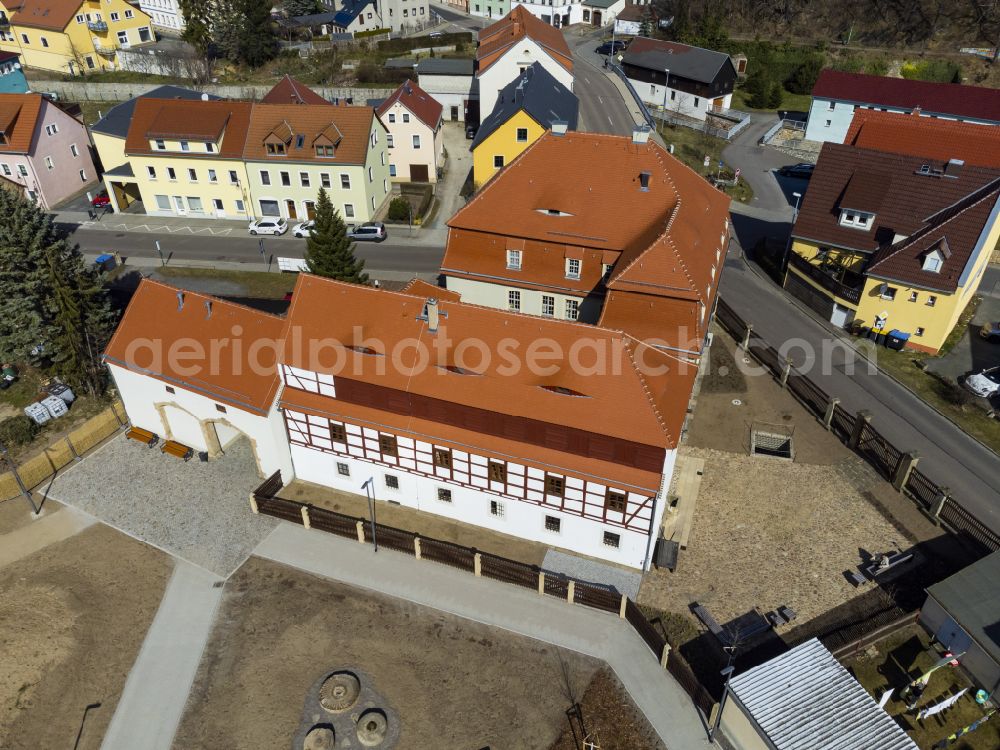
197, 511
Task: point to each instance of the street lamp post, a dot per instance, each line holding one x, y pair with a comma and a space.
727, 673
666, 90
788, 244
369, 488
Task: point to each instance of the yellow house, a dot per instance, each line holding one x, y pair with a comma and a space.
528, 106
893, 244
72, 36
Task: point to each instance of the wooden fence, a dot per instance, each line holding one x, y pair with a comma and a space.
265, 500
869, 443
63, 452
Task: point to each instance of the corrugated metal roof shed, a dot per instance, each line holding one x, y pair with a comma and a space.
805, 700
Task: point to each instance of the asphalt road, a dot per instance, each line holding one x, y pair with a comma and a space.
602, 109
462, 21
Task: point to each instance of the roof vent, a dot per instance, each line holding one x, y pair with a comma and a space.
644, 181
924, 169
559, 127
953, 168
208, 309
640, 134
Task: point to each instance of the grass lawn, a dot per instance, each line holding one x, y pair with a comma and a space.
789, 101
691, 147
259, 284
94, 111
904, 656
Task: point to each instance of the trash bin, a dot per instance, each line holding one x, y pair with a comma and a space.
55, 406
38, 413
105, 261
896, 339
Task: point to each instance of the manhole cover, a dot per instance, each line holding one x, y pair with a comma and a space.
339, 692
737, 402
372, 727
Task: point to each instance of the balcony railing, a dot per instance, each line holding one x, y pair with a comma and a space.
106, 51
99, 27
837, 288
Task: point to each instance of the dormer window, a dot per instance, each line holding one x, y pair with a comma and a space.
856, 219
933, 262
324, 151
276, 149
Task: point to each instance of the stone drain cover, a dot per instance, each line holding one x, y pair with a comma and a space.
340, 691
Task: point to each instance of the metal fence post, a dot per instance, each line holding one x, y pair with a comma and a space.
907, 462
253, 504
361, 531
416, 547
863, 420
304, 510
621, 609
541, 582
664, 655
785, 372
477, 564
570, 590
830, 408
72, 449
746, 338
944, 494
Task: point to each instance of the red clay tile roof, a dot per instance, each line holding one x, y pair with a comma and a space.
46, 14
954, 233
183, 116
421, 288
916, 135
18, 117
907, 201
419, 102
153, 316
351, 125
939, 98
497, 38
290, 91
640, 394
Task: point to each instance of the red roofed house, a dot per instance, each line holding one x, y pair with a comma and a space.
290, 91
837, 95
913, 135
416, 146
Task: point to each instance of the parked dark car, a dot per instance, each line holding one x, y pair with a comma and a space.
802, 171
470, 131
612, 48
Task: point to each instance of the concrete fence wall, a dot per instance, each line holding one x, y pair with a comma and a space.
83, 91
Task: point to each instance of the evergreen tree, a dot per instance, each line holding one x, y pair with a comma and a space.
329, 252
256, 41
198, 27
300, 7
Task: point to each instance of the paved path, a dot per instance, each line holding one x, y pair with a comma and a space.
501, 605
157, 688
41, 532
756, 163
602, 106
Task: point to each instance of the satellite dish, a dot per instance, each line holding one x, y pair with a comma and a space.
17, 66
204, 97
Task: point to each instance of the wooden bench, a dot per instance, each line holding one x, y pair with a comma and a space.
145, 437
177, 449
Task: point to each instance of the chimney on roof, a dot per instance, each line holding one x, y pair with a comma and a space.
640, 134
180, 301
432, 314
644, 181
208, 309
559, 127
953, 168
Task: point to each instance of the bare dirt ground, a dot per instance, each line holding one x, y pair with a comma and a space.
16, 512
72, 620
770, 532
453, 682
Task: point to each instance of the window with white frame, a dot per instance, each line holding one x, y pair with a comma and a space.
304, 179
572, 309
406, 117
240, 207
416, 141
933, 262
371, 175
151, 172
514, 299
51, 129
49, 164
389, 141
6, 169
265, 177
83, 175
345, 181
548, 305
514, 260
324, 180
392, 117
74, 150
572, 268
856, 219
212, 176
192, 175
129, 14
888, 292
185, 146
349, 210
22, 170
931, 300
919, 332
160, 145
115, 17
392, 170
234, 179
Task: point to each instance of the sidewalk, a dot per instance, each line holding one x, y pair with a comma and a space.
152, 703
597, 634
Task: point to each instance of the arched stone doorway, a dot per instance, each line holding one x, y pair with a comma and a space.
212, 436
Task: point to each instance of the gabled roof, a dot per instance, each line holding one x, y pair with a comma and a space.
904, 192
519, 24
421, 288
953, 233
538, 94
838, 714
633, 12
46, 14
248, 381
117, 119
693, 63
189, 119
350, 10
290, 91
424, 107
971, 596
916, 135
446, 66
351, 124
639, 395
19, 115
940, 98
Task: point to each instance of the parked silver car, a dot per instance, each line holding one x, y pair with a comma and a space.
269, 225
985, 383
373, 231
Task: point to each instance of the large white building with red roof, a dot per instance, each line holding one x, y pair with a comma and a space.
416, 145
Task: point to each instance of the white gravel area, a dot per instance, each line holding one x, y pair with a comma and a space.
592, 571
197, 511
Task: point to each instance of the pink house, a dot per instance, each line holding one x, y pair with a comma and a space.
43, 149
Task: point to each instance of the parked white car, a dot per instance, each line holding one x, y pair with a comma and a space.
303, 229
985, 383
268, 226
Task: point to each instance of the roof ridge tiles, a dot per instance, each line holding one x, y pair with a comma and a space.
645, 386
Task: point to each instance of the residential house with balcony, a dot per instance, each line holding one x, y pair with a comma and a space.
512, 45
530, 105
367, 15
837, 95
416, 145
165, 14
43, 150
452, 83
893, 243
72, 36
691, 81
537, 239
